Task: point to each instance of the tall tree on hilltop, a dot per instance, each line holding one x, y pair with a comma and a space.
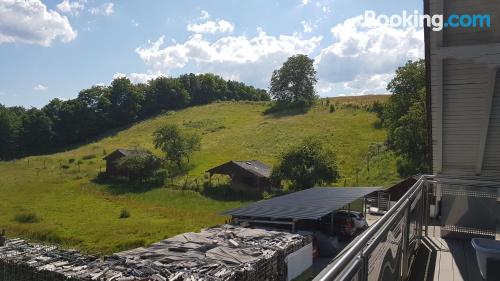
293, 83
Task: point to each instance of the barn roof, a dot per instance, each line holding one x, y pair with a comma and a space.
313, 203
253, 167
124, 152
398, 190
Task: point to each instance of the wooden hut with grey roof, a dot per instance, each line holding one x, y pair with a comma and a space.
112, 168
248, 176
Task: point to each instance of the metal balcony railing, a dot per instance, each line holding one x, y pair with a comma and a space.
469, 207
385, 250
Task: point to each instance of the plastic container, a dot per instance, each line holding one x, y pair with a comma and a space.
486, 249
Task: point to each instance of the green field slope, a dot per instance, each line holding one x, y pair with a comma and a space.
73, 210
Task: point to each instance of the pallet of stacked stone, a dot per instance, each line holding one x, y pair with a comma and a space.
215, 254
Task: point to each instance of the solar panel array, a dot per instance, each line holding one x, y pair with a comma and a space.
313, 203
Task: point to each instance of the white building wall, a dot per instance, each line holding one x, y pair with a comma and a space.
465, 94
299, 261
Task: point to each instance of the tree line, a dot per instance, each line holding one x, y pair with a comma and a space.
99, 109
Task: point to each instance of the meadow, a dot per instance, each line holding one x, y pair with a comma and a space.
55, 198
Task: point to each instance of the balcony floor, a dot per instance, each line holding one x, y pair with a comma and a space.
445, 259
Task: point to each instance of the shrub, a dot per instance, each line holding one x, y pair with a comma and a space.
332, 108
124, 214
305, 166
27, 218
140, 166
266, 195
101, 176
131, 244
71, 160
89, 156
65, 167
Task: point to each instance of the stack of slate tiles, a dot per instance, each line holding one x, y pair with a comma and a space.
223, 252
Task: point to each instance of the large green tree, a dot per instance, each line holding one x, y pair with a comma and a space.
405, 117
165, 94
9, 129
36, 135
126, 101
177, 145
293, 83
306, 165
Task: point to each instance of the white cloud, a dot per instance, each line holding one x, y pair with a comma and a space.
326, 9
324, 6
236, 57
108, 8
220, 26
307, 26
30, 22
364, 56
138, 77
105, 9
361, 59
305, 2
72, 8
40, 88
204, 15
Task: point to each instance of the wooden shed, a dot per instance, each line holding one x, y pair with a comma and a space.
250, 175
112, 170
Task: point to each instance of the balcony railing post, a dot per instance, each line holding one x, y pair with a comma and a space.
422, 212
426, 208
406, 237
364, 265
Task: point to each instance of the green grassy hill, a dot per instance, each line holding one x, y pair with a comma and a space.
73, 210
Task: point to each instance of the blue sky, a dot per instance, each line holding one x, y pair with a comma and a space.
52, 49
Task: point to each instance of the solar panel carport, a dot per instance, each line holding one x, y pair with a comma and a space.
309, 204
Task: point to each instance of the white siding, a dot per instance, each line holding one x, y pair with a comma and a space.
464, 96
437, 113
464, 93
491, 164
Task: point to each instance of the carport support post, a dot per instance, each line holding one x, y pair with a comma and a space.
331, 222
364, 206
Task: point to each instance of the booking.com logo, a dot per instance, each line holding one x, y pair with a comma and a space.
435, 22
